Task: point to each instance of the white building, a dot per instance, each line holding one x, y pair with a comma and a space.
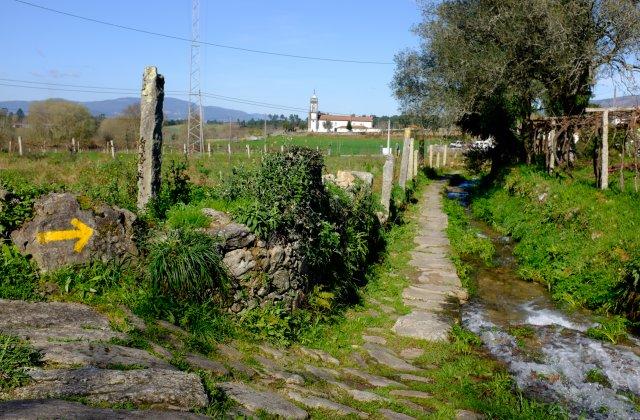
330, 123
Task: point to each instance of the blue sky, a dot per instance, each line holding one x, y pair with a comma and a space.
50, 48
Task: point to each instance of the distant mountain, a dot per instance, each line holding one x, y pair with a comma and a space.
621, 102
174, 109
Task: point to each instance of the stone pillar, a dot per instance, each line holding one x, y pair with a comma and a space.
431, 155
20, 145
415, 163
73, 145
229, 149
444, 157
248, 151
282, 148
209, 149
410, 172
404, 162
113, 149
604, 171
438, 160
387, 183
150, 141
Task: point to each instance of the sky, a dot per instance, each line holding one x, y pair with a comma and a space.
45, 47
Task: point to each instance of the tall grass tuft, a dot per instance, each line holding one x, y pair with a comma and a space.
15, 356
187, 265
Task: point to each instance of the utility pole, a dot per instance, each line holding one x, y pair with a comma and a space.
195, 132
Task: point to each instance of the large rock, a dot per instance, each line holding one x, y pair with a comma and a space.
58, 409
153, 388
44, 323
61, 233
347, 179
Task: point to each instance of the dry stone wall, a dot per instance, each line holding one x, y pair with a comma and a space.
261, 272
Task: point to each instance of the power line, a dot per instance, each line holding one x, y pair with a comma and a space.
125, 91
211, 44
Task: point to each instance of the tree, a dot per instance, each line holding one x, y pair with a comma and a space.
487, 65
122, 129
328, 125
59, 121
349, 126
20, 115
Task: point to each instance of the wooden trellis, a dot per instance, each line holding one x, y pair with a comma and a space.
555, 138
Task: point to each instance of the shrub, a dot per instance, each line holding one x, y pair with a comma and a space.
17, 205
175, 189
15, 356
18, 275
285, 197
186, 265
627, 292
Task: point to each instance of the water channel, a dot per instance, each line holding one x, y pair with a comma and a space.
546, 348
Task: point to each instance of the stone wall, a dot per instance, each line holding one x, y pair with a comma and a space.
261, 273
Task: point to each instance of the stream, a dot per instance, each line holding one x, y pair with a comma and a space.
546, 348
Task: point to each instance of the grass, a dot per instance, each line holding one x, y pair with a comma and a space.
466, 243
15, 356
186, 265
575, 239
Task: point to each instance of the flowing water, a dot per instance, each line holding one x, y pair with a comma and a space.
545, 348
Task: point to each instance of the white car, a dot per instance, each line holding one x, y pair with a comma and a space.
483, 144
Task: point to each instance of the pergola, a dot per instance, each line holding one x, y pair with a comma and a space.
555, 137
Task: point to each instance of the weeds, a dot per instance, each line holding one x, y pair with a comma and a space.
15, 356
18, 275
613, 329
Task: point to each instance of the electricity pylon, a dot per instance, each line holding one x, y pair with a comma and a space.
195, 134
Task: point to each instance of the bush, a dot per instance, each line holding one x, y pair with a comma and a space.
627, 292
15, 356
18, 275
17, 206
175, 188
286, 198
186, 265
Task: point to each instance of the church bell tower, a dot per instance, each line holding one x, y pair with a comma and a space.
313, 114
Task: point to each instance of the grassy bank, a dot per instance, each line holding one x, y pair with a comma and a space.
581, 242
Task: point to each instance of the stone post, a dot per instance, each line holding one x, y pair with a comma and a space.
444, 157
282, 148
248, 151
604, 171
229, 149
209, 149
415, 163
20, 145
431, 155
404, 162
113, 149
9, 146
438, 160
264, 148
387, 183
150, 141
410, 172
73, 145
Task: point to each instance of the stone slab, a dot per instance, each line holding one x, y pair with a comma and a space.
59, 409
268, 402
373, 380
154, 388
386, 357
319, 403
424, 326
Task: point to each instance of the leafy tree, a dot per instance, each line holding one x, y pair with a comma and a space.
487, 65
328, 125
58, 121
349, 126
20, 114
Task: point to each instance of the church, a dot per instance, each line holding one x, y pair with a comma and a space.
319, 122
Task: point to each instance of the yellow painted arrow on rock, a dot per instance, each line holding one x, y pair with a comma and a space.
82, 233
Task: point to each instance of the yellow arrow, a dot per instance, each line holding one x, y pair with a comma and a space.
81, 232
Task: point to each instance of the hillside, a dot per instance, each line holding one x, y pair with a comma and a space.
623, 101
173, 108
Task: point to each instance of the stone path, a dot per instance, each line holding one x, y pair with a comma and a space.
437, 292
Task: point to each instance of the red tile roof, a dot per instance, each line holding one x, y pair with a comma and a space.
352, 118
